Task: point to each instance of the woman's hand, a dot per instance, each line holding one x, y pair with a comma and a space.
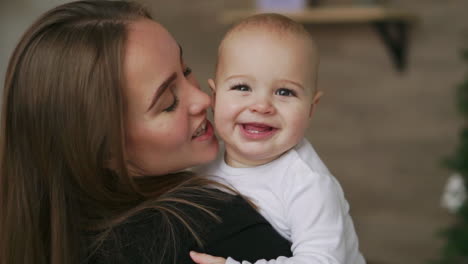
202, 258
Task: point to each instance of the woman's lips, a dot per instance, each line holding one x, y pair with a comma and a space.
257, 131
205, 134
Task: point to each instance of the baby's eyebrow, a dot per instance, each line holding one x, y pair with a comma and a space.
239, 76
292, 82
295, 83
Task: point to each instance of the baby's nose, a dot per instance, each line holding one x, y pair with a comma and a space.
262, 106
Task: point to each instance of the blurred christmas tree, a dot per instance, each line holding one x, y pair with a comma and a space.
455, 250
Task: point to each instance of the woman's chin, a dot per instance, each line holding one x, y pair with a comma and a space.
212, 152
207, 154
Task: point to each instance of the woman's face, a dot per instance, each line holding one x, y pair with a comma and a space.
165, 114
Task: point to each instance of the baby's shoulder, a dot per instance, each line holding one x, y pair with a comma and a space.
305, 162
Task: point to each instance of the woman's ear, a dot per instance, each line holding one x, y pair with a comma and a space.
212, 85
315, 100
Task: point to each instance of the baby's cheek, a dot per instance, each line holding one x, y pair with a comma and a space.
220, 106
299, 122
226, 110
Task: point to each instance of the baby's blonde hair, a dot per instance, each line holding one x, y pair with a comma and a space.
273, 22
277, 24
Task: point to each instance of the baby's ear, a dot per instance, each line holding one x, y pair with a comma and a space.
315, 101
212, 85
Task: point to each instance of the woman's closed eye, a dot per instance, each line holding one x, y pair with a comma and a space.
241, 87
187, 71
174, 104
285, 92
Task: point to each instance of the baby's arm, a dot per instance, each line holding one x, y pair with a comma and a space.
317, 215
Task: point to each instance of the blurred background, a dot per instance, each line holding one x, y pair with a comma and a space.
383, 133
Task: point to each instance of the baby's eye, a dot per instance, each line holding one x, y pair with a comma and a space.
285, 92
241, 87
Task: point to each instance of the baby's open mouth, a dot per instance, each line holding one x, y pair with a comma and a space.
257, 131
256, 128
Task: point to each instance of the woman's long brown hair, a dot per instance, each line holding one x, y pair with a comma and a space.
61, 124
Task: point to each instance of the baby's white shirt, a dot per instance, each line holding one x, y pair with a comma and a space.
298, 195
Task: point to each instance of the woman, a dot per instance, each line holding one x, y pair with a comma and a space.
100, 116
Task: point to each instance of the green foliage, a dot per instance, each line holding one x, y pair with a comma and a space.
462, 97
465, 54
459, 162
455, 250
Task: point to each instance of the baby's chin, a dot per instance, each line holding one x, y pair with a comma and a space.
246, 157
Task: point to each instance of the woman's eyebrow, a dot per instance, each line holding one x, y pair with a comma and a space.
165, 84
161, 89
181, 53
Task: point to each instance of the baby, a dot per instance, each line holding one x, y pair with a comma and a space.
264, 94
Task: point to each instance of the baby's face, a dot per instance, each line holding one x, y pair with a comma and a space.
264, 89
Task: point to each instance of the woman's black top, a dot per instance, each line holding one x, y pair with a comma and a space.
242, 234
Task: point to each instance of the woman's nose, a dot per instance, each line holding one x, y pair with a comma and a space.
262, 105
200, 101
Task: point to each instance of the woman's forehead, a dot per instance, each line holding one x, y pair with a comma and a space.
149, 35
150, 52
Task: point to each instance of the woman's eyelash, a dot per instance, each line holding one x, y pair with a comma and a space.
174, 105
187, 71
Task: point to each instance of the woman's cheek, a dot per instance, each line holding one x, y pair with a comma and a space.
178, 131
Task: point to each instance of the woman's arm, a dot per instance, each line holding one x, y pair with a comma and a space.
244, 234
